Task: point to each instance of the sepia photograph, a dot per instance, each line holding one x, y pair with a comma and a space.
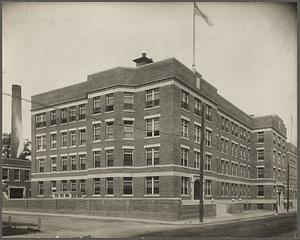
149, 120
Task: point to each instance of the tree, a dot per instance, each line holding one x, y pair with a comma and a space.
6, 147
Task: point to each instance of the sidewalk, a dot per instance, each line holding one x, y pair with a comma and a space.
246, 215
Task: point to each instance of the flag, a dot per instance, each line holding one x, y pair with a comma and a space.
198, 12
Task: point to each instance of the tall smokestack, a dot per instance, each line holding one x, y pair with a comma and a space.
16, 122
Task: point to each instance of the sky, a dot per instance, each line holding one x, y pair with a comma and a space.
249, 54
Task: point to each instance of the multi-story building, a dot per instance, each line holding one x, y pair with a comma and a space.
136, 133
292, 161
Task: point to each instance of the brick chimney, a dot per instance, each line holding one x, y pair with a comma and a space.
142, 60
16, 120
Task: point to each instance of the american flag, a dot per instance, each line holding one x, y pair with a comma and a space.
198, 12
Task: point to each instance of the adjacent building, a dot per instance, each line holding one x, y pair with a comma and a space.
136, 133
292, 161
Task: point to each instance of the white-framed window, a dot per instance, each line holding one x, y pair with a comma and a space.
64, 163
96, 105
17, 174
197, 107
274, 172
260, 137
185, 100
82, 111
82, 186
97, 186
4, 174
208, 112
96, 131
64, 185
260, 172
72, 114
109, 157
82, 137
109, 186
128, 157
184, 185
97, 159
260, 191
197, 159
40, 120
53, 140
109, 102
109, 131
128, 129
152, 185
197, 133
73, 160
208, 162
152, 127
41, 165
73, 140
260, 154
40, 143
63, 116
185, 128
52, 117
53, 161
73, 185
82, 161
127, 186
152, 98
152, 156
41, 188
128, 101
207, 187
64, 139
208, 137
184, 156
53, 187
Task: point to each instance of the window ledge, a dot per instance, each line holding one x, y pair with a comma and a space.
185, 109
63, 147
64, 123
107, 140
73, 146
43, 150
128, 138
54, 125
127, 195
109, 112
151, 108
53, 148
151, 195
95, 114
109, 195
128, 110
96, 141
151, 137
40, 128
82, 145
185, 138
96, 195
82, 120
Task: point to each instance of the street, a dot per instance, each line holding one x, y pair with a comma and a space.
281, 226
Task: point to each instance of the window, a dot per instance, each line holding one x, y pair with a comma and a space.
236, 130
127, 186
152, 98
184, 156
197, 133
40, 120
53, 118
227, 126
197, 107
128, 101
73, 185
96, 105
97, 158
222, 123
152, 127
260, 206
41, 165
53, 140
73, 141
109, 186
82, 160
53, 164
185, 128
81, 111
152, 156
260, 172
5, 174
260, 154
208, 112
40, 143
152, 185
82, 186
109, 130
260, 137
73, 162
27, 175
63, 116
274, 172
208, 137
232, 128
279, 141
41, 188
128, 156
207, 187
128, 129
260, 191
185, 100
64, 139
109, 102
64, 161
184, 185
97, 188
274, 138
72, 114
64, 185
53, 187
96, 131
109, 154
208, 162
197, 160
82, 137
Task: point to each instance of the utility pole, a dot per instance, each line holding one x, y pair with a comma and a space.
201, 202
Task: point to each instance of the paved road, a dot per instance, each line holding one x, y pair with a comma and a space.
283, 226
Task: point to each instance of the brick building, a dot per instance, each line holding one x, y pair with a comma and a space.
292, 160
135, 133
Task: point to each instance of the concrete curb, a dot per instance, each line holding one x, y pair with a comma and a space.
181, 223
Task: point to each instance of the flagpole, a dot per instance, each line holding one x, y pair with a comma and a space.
194, 65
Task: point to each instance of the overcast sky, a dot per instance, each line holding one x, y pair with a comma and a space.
249, 54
